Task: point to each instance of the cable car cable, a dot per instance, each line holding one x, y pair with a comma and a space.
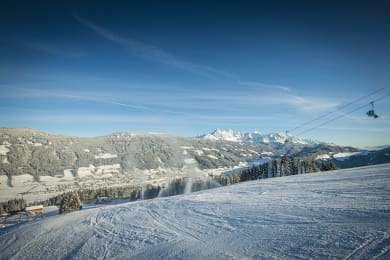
340, 116
338, 109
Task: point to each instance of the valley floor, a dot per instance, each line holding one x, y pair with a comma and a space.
339, 214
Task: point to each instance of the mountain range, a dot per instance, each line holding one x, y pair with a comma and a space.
256, 137
38, 165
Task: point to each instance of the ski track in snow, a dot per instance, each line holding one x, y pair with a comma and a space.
342, 215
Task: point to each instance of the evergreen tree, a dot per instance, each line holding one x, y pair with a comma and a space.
70, 202
323, 166
327, 165
12, 206
332, 165
285, 166
309, 166
274, 168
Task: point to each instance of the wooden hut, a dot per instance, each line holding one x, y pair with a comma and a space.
37, 209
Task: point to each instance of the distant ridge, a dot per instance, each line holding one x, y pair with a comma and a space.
255, 137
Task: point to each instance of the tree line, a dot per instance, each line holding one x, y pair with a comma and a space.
275, 168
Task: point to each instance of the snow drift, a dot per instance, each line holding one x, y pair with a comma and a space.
339, 214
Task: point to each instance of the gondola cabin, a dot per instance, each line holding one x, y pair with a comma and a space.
371, 112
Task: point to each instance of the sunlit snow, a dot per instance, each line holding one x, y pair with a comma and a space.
3, 149
105, 156
339, 214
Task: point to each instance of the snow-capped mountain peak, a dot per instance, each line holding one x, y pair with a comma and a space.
253, 137
227, 135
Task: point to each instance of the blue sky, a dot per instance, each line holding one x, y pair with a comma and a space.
188, 68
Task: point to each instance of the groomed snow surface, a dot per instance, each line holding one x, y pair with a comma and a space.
340, 214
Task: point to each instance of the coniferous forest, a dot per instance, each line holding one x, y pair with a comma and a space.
275, 168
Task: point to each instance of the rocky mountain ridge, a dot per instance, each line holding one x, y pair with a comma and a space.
256, 137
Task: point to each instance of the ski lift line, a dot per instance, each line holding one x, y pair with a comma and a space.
342, 107
330, 120
340, 116
379, 99
338, 109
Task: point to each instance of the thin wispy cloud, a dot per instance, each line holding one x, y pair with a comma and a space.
86, 118
263, 85
63, 116
253, 99
178, 101
136, 100
76, 95
158, 55
54, 50
308, 104
153, 53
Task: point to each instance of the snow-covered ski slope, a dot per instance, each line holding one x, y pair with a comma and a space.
340, 214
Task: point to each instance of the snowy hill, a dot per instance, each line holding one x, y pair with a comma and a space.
37, 166
255, 137
339, 214
356, 159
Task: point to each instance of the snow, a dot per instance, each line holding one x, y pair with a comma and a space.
92, 177
31, 190
105, 156
50, 181
6, 143
339, 214
17, 219
254, 137
86, 150
3, 149
227, 135
259, 161
323, 157
254, 152
3, 182
68, 174
210, 149
340, 156
212, 157
344, 156
20, 180
22, 184
112, 168
48, 186
92, 171
198, 152
186, 147
83, 172
189, 161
